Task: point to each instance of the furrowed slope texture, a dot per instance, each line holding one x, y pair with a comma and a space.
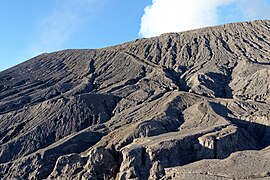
189, 105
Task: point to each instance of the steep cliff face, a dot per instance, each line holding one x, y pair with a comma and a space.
149, 109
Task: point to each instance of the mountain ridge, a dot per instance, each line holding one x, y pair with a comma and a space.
145, 109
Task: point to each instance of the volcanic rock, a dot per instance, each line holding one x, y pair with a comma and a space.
188, 105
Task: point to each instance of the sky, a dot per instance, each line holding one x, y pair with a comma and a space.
31, 27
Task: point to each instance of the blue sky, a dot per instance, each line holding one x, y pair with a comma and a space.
31, 27
82, 24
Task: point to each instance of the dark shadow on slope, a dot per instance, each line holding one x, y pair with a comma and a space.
214, 82
176, 79
211, 84
260, 132
220, 85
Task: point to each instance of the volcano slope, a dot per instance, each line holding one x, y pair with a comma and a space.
189, 105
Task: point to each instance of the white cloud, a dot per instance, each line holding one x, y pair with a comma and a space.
56, 29
179, 15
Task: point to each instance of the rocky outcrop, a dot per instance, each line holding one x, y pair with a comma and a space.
189, 105
240, 165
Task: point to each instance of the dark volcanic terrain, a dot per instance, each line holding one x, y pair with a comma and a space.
189, 105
